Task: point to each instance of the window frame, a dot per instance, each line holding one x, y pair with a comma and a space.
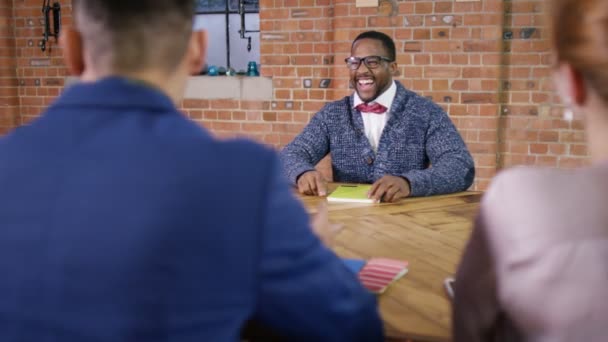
228, 10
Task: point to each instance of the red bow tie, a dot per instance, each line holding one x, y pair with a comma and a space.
374, 107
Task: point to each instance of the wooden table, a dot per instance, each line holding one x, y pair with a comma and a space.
428, 232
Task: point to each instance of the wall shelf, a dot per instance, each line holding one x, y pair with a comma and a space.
222, 87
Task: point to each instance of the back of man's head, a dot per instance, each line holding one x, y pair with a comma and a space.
134, 35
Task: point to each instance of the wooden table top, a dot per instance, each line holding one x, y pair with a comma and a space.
430, 233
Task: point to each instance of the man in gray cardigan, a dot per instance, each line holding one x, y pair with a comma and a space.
384, 134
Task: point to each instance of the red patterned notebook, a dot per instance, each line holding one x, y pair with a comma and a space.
379, 273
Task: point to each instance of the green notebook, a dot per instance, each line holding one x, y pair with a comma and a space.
351, 193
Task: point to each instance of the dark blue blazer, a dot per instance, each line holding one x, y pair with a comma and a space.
121, 220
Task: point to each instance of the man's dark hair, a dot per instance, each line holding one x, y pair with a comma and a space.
132, 35
387, 41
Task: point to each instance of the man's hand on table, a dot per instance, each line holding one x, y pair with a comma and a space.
389, 189
312, 183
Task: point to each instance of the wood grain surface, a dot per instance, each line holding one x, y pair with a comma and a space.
430, 233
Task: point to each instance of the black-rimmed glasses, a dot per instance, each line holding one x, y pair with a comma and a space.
371, 62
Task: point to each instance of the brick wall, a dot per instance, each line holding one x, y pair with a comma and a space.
532, 131
486, 62
40, 74
9, 100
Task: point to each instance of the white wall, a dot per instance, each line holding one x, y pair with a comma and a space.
215, 26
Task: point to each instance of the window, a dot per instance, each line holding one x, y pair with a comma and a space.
219, 6
228, 47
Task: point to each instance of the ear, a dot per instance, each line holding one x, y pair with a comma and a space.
197, 52
570, 84
70, 41
394, 69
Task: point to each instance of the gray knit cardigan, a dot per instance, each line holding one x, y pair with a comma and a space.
419, 143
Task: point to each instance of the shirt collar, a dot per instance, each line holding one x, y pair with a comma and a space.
385, 99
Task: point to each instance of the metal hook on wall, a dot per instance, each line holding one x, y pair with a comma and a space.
243, 31
47, 12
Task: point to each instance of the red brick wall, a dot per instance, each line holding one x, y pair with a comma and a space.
40, 74
532, 131
9, 100
486, 62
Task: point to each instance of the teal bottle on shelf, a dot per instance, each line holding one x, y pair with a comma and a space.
212, 70
252, 69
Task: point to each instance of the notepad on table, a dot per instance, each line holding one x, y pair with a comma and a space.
351, 193
378, 273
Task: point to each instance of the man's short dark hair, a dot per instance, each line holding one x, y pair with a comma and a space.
387, 41
132, 35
